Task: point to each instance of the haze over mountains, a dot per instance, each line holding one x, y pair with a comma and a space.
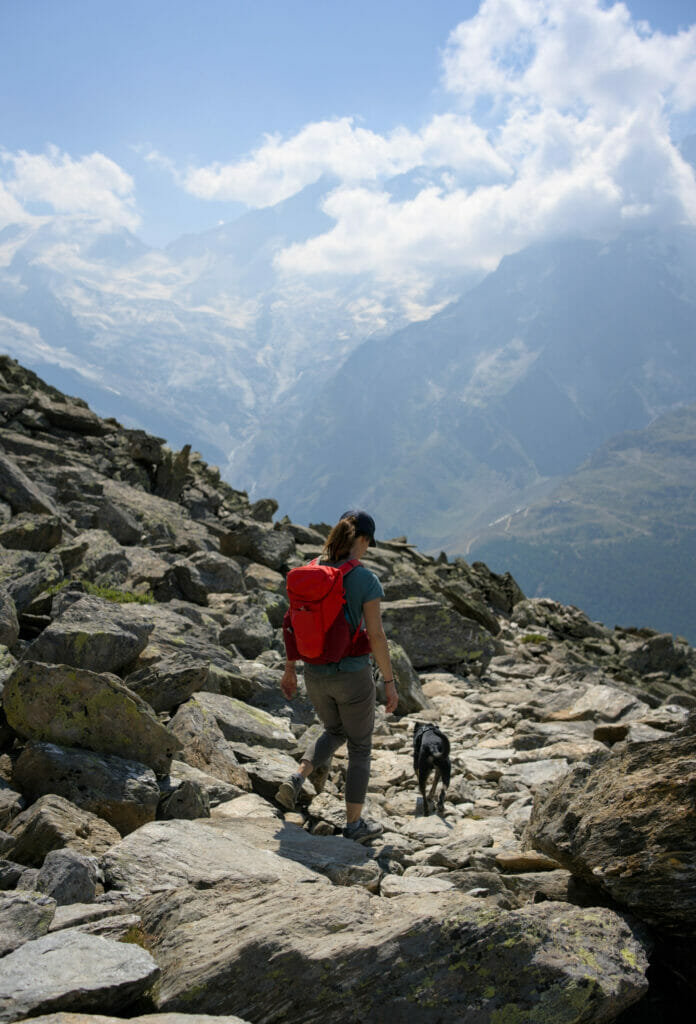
441, 417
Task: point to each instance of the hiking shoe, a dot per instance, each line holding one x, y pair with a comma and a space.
362, 831
289, 791
319, 777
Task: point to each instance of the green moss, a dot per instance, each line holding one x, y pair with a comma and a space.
107, 593
535, 638
137, 936
630, 957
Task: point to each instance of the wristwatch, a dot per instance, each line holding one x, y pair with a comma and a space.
388, 681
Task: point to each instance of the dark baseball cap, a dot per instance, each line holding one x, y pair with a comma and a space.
364, 524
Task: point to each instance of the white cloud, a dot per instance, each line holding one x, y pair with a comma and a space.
341, 149
576, 100
92, 186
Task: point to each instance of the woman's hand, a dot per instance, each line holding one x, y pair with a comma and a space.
391, 696
288, 683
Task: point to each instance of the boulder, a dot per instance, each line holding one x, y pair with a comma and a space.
411, 696
218, 574
344, 863
20, 493
469, 604
251, 633
171, 854
40, 572
74, 708
246, 724
189, 799
431, 957
626, 826
124, 793
217, 790
147, 1018
93, 634
9, 624
259, 542
23, 916
204, 745
29, 531
11, 803
68, 876
78, 972
52, 823
432, 633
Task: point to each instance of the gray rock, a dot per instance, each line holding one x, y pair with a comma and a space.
240, 722
10, 873
344, 863
258, 542
20, 492
78, 972
124, 793
68, 876
29, 531
9, 624
430, 957
92, 634
11, 803
168, 680
218, 574
469, 604
170, 854
75, 708
23, 916
408, 684
204, 745
148, 1018
251, 633
434, 634
626, 827
47, 570
52, 823
188, 800
217, 790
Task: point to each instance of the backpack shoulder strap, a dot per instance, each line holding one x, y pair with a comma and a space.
347, 566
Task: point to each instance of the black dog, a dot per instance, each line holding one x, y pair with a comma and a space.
431, 751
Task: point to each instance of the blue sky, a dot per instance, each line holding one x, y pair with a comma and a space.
173, 93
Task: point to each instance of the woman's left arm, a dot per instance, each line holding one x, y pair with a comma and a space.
380, 649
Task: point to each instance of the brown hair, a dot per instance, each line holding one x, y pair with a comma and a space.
340, 540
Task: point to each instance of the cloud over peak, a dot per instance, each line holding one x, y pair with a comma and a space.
91, 186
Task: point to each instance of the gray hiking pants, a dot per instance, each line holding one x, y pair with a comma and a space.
345, 703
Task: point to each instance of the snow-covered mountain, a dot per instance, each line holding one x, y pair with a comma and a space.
203, 340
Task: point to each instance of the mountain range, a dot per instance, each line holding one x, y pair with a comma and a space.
444, 418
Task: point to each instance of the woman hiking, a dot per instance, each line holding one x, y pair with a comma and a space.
343, 691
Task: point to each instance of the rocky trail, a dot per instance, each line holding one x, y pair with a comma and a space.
146, 871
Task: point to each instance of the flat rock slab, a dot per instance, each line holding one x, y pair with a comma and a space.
77, 972
24, 915
148, 1018
427, 958
76, 708
238, 721
342, 861
400, 885
169, 854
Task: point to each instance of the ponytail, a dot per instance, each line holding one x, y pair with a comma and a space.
340, 540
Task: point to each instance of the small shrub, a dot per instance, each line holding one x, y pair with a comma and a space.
535, 638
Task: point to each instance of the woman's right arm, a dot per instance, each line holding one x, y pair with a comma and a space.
380, 649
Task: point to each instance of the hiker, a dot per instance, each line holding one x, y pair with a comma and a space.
343, 690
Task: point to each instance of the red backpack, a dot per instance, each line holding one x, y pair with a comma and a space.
315, 628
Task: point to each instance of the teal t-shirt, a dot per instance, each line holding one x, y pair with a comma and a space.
360, 586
